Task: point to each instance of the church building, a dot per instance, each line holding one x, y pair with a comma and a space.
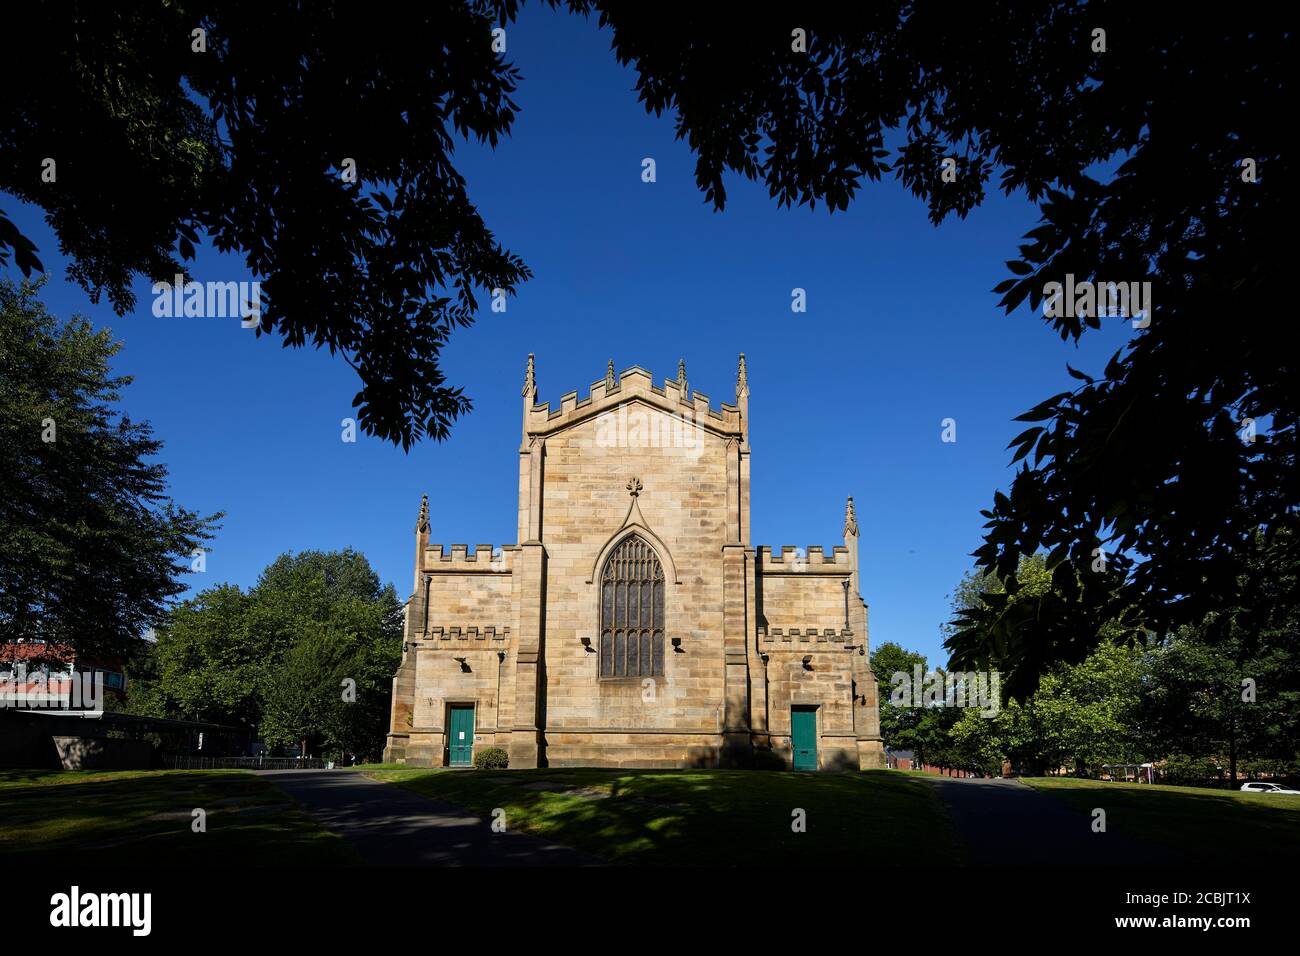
634, 624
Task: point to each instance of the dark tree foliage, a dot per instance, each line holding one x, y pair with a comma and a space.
1135, 158
91, 547
1195, 704
1134, 155
158, 146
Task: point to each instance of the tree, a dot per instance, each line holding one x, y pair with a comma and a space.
1081, 716
305, 657
898, 722
1152, 147
1022, 624
1079, 713
206, 663
1026, 624
302, 695
934, 735
91, 547
1150, 143
247, 133
1086, 714
334, 683
1233, 700
976, 744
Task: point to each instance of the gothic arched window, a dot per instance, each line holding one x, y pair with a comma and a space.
632, 612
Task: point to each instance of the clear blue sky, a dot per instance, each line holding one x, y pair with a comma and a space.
901, 332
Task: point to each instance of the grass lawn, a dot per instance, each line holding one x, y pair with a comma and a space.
1207, 826
127, 817
708, 817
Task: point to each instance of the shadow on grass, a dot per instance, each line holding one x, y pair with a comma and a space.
1206, 826
708, 817
146, 818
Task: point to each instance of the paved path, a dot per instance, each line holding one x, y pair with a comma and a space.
1010, 823
391, 826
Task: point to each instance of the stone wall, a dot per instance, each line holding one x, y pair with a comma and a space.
103, 753
459, 673
587, 511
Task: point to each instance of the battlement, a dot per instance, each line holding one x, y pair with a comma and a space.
484, 559
788, 560
806, 635
675, 397
490, 632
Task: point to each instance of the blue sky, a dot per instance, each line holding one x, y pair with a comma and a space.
901, 332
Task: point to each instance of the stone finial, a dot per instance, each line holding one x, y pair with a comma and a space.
611, 380
634, 486
682, 385
850, 519
422, 525
742, 379
530, 377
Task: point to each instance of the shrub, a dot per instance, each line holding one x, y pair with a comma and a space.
1191, 771
491, 758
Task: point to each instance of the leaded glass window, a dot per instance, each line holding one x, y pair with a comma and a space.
632, 612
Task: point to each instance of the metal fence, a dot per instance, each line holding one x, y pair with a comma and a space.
241, 763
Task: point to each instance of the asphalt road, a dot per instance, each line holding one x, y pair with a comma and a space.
391, 826
1008, 822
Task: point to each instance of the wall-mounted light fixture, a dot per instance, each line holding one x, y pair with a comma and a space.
586, 645
464, 665
677, 646
807, 662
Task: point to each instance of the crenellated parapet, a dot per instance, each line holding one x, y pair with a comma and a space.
788, 559
674, 397
458, 559
831, 638
490, 633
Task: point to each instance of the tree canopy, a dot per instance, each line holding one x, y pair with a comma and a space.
899, 726
1155, 153
1201, 702
91, 547
1152, 144
158, 145
304, 658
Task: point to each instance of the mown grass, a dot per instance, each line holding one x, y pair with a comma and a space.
1203, 825
127, 818
707, 817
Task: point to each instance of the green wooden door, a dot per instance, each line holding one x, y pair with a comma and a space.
803, 737
460, 740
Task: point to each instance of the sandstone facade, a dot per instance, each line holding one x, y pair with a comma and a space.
634, 624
